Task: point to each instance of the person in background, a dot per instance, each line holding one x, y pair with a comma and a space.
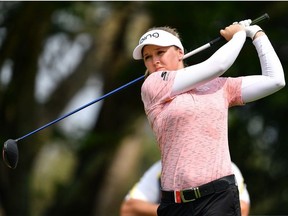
187, 108
144, 198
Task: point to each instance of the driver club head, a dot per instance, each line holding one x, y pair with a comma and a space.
10, 153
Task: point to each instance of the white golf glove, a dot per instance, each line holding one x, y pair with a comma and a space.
245, 23
252, 30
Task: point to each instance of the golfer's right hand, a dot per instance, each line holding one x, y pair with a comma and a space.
229, 31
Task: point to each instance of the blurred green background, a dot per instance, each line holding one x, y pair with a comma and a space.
57, 56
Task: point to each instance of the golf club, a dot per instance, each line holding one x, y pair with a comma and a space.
10, 152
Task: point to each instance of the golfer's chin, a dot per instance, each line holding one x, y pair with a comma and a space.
160, 69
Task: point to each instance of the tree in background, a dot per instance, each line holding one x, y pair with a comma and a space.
106, 33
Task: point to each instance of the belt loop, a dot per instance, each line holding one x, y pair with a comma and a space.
197, 192
177, 196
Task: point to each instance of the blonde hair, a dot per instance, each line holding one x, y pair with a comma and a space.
169, 29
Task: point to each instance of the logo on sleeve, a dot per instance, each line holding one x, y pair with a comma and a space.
164, 76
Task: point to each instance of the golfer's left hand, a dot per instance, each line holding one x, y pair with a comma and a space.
245, 23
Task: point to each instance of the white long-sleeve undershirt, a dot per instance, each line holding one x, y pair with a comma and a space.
253, 87
195, 75
272, 78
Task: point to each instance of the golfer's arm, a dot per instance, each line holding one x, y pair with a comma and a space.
195, 75
272, 78
135, 207
245, 208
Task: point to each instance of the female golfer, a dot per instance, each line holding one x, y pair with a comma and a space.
187, 108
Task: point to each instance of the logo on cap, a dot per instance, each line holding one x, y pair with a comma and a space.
153, 35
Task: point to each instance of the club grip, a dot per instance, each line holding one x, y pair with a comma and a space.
255, 21
260, 19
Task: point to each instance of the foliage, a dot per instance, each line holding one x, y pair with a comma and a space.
34, 41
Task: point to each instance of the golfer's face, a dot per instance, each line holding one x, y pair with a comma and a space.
157, 58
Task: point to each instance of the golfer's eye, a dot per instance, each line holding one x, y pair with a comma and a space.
160, 52
147, 57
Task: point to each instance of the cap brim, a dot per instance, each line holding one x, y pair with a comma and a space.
163, 39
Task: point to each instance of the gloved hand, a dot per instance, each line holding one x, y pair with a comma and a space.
252, 30
245, 23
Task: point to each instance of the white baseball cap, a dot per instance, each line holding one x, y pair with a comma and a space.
156, 37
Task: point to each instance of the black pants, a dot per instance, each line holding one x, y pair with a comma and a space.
224, 203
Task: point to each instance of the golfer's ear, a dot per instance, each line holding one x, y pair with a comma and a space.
180, 54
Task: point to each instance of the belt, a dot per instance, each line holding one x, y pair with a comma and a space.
191, 194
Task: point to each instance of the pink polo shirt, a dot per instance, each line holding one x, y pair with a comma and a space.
191, 128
